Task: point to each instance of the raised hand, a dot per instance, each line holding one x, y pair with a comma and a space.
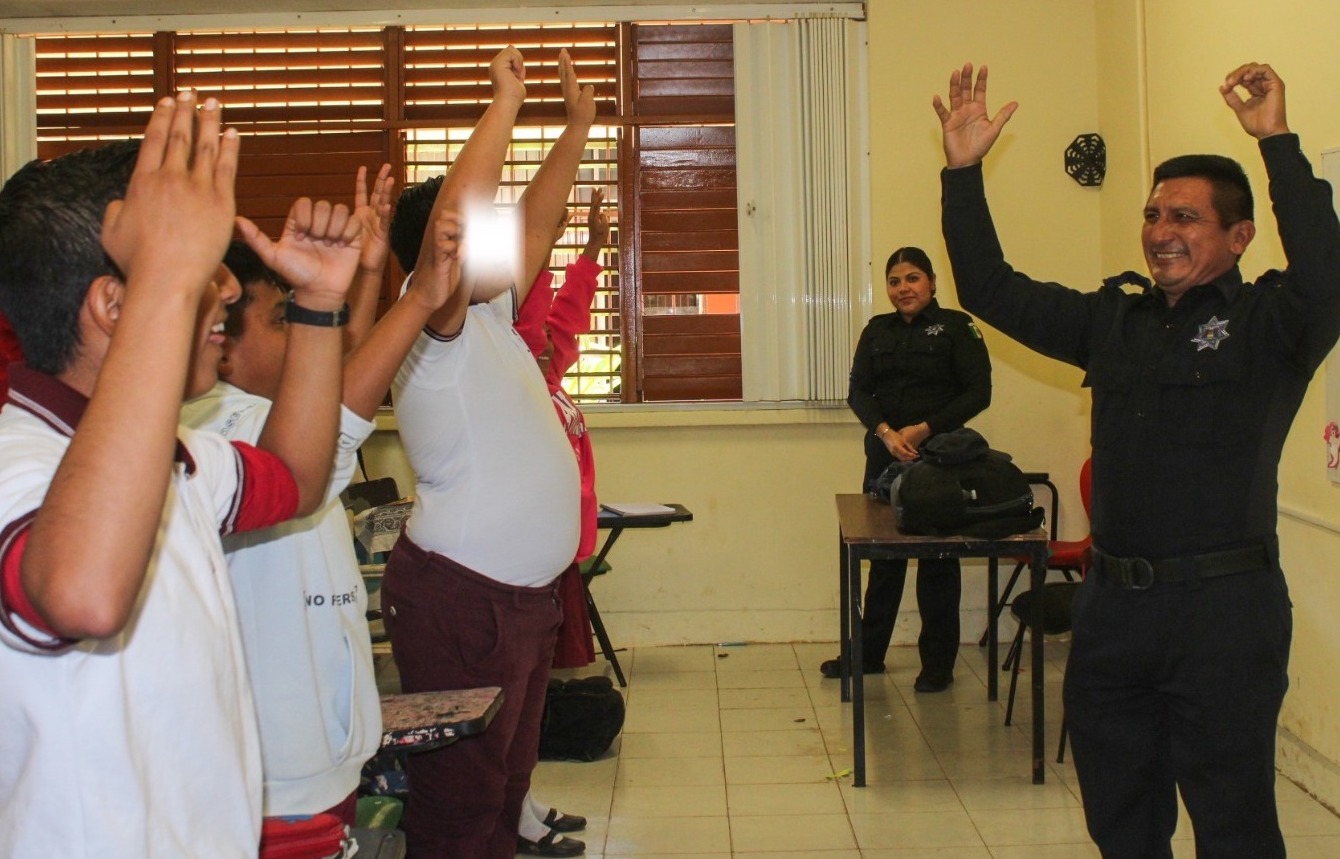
373, 211
507, 73
580, 101
969, 131
434, 284
317, 253
177, 216
1262, 112
597, 225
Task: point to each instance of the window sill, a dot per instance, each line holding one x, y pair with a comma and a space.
660, 415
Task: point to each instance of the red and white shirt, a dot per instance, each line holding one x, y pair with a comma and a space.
143, 744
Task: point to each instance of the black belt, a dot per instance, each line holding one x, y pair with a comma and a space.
1138, 574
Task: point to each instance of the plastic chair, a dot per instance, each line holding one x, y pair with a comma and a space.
1069, 557
1056, 600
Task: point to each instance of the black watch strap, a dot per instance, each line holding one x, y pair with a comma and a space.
294, 312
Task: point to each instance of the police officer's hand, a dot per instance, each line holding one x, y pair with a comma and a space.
1262, 112
969, 133
898, 446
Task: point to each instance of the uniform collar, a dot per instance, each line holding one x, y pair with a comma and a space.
58, 405
1226, 284
929, 314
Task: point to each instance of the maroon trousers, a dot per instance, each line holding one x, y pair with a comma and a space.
453, 628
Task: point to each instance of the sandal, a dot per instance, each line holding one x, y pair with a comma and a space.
560, 822
553, 844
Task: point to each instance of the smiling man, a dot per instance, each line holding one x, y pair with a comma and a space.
1178, 665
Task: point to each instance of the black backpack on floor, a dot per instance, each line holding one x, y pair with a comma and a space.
581, 719
962, 487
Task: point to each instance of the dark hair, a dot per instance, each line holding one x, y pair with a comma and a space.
1232, 193
246, 266
914, 256
411, 220
50, 246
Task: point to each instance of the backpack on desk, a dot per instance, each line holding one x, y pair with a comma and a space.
581, 719
962, 487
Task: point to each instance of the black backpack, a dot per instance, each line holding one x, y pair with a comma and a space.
961, 487
581, 719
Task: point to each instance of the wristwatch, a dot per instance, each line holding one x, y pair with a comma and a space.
294, 312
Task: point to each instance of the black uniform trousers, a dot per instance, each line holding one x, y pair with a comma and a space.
1180, 686
939, 588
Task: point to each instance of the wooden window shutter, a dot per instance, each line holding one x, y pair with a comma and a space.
685, 259
93, 88
311, 106
447, 89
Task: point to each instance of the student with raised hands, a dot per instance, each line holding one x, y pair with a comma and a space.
299, 592
470, 590
127, 727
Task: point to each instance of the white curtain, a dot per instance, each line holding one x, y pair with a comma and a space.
802, 173
18, 103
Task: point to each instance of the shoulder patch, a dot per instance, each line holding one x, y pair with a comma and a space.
973, 330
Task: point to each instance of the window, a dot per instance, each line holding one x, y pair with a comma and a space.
316, 104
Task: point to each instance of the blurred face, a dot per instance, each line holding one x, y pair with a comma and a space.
909, 289
1185, 242
204, 370
254, 360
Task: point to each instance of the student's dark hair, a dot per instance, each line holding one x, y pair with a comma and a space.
246, 266
50, 247
410, 220
1232, 194
909, 254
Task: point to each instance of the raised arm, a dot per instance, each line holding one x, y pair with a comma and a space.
373, 211
472, 182
317, 254
91, 541
372, 366
546, 197
969, 131
570, 314
1309, 304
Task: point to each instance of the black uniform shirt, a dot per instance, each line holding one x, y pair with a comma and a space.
1191, 404
933, 369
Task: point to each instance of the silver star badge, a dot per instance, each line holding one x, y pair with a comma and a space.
932, 330
1211, 334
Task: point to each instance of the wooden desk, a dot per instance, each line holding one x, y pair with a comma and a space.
422, 721
866, 531
616, 523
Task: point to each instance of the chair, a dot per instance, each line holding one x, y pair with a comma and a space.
1070, 557
1056, 600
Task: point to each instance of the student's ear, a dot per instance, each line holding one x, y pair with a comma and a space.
102, 302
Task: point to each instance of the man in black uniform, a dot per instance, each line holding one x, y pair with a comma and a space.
1178, 664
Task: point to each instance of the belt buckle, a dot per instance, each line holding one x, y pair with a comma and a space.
1137, 574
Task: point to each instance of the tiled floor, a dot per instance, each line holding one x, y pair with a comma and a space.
746, 751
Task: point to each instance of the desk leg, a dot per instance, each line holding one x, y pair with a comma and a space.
606, 648
1039, 575
992, 629
844, 621
857, 677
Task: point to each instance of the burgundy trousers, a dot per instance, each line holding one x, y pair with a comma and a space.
453, 628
